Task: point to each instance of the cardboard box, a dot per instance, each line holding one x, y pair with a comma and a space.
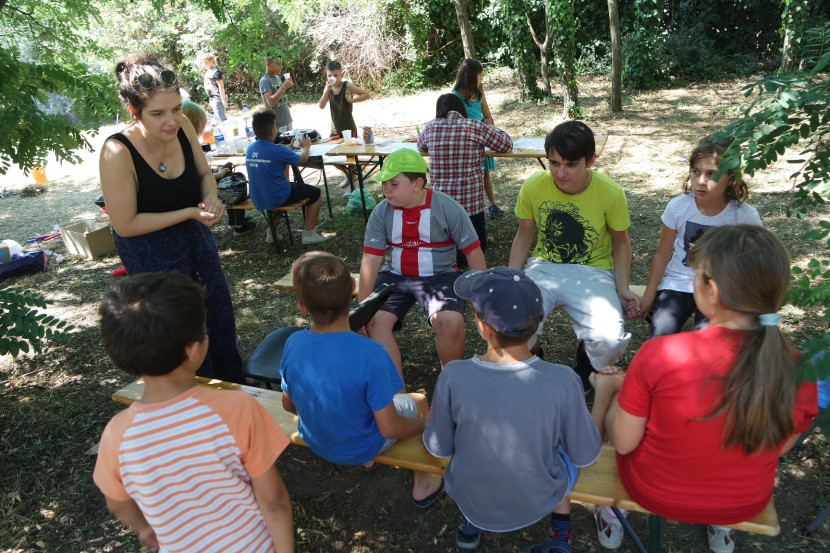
89, 240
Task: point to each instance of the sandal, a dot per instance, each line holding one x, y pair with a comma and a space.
429, 500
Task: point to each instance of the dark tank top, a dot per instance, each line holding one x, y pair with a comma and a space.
158, 195
341, 112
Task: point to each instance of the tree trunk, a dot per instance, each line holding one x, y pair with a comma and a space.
795, 13
616, 57
544, 50
466, 28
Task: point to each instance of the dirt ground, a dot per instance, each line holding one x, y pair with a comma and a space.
53, 406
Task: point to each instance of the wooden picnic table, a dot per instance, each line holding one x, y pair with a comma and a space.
523, 148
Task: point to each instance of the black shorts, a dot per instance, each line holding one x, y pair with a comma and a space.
434, 294
301, 191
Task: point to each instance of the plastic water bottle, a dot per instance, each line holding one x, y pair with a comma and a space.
249, 128
221, 145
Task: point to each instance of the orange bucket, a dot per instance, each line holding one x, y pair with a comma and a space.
39, 173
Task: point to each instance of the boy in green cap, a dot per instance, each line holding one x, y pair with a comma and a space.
419, 230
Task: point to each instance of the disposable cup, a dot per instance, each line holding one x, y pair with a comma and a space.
287, 76
347, 136
239, 142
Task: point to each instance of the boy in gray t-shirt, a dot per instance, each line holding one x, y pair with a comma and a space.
515, 426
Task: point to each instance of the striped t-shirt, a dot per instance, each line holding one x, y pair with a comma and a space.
188, 462
420, 241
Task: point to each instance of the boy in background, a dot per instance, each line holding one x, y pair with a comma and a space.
340, 95
214, 84
186, 466
515, 426
272, 90
582, 259
345, 389
420, 230
267, 165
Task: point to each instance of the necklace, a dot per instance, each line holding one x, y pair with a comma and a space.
162, 165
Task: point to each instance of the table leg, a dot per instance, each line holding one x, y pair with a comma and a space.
360, 187
326, 185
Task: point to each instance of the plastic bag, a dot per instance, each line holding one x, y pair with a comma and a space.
355, 205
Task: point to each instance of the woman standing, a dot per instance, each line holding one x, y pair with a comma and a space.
161, 198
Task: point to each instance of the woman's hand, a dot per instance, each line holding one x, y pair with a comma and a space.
210, 211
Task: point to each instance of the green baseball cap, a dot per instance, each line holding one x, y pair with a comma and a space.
401, 161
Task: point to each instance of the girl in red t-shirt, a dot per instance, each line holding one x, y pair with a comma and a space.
702, 417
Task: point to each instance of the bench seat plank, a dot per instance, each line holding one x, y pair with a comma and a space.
597, 484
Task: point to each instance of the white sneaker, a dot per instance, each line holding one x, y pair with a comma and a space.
346, 183
311, 237
721, 539
609, 529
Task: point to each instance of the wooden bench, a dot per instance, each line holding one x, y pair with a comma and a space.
283, 211
598, 484
287, 283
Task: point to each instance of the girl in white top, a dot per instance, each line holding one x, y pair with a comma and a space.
706, 203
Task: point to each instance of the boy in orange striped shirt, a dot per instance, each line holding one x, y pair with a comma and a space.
192, 469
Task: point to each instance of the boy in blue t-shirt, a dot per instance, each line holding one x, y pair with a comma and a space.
344, 387
267, 165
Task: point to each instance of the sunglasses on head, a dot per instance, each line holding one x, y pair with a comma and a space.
146, 80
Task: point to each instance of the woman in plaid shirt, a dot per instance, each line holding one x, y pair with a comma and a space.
456, 148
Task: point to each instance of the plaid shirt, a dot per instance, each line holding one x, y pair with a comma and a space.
456, 156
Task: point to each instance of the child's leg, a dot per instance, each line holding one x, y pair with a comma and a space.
560, 522
379, 329
488, 188
670, 311
606, 386
449, 335
426, 484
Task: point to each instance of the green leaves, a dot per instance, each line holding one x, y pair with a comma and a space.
793, 109
23, 327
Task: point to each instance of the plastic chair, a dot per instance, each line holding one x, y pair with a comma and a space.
264, 363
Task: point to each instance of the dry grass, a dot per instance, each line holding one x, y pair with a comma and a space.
54, 406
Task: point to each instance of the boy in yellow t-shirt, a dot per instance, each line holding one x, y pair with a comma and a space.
582, 259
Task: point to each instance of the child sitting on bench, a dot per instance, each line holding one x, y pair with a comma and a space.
516, 426
187, 467
702, 417
344, 387
415, 234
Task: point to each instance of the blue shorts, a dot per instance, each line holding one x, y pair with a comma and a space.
433, 293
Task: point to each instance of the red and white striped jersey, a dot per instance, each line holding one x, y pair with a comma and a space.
423, 240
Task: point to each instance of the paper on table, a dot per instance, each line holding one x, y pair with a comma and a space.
529, 143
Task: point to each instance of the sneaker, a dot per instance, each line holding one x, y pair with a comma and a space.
468, 542
248, 226
345, 184
550, 545
609, 529
494, 212
311, 237
721, 539
269, 239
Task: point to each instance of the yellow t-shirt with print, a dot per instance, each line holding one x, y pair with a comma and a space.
574, 228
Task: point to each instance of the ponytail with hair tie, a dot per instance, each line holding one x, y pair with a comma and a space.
769, 319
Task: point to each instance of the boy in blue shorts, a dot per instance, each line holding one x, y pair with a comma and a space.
267, 165
582, 259
515, 426
344, 387
419, 231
